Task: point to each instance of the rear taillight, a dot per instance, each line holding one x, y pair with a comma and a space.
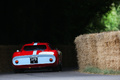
51, 59
16, 61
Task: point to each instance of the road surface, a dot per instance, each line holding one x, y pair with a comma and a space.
63, 75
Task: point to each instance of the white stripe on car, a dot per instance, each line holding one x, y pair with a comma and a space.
35, 51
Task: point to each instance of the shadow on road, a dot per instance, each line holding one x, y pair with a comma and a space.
50, 70
43, 70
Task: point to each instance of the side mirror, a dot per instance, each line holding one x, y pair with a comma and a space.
17, 51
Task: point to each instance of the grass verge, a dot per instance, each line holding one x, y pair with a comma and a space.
95, 70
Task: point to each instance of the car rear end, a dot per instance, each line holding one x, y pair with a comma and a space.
43, 59
35, 56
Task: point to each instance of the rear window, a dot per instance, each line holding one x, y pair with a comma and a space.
35, 47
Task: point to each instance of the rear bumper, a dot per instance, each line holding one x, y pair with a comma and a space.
34, 66
42, 61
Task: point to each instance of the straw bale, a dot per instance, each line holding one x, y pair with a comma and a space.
81, 48
101, 50
107, 45
86, 49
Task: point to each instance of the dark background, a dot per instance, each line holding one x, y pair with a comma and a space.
53, 21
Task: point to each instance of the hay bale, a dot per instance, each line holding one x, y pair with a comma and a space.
86, 49
108, 49
82, 42
92, 53
100, 50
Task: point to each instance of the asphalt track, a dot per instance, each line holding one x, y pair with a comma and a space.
49, 75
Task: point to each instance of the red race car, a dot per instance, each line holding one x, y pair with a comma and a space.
37, 55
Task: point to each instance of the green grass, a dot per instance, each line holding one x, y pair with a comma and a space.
91, 69
95, 70
110, 72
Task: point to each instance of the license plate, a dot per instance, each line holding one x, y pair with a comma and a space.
33, 59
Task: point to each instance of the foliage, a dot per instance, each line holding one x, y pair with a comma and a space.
110, 21
92, 70
110, 72
95, 70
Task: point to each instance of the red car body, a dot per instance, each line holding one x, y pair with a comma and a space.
37, 55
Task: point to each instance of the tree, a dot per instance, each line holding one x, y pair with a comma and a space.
108, 21
111, 19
